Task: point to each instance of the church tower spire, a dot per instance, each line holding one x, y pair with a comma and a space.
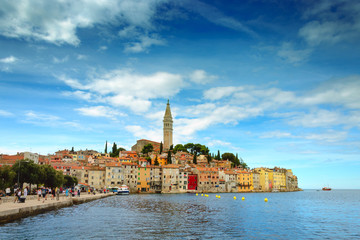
168, 128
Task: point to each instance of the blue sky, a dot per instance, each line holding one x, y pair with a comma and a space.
277, 82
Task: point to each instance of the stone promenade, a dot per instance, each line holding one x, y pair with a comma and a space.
10, 211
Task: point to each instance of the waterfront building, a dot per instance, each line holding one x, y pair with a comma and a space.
255, 180
170, 178
143, 181
155, 179
81, 173
243, 181
168, 128
130, 175
96, 177
208, 179
114, 174
228, 179
183, 179
264, 178
192, 182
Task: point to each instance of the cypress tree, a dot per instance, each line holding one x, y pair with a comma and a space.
194, 159
106, 147
218, 156
161, 147
169, 157
156, 163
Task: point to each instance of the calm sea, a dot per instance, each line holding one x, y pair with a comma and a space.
309, 214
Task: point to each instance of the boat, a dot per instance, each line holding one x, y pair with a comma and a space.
326, 189
123, 190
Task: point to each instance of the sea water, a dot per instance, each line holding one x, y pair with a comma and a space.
310, 214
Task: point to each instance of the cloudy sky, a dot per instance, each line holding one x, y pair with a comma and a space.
277, 82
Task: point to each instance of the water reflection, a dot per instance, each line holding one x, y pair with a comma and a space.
308, 214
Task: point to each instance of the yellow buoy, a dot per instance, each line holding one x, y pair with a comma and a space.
219, 196
243, 198
265, 199
234, 198
202, 194
197, 194
207, 195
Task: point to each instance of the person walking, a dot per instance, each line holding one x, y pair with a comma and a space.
39, 194
19, 194
25, 192
57, 191
15, 195
78, 192
67, 192
7, 190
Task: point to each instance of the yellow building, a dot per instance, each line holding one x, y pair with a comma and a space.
244, 180
143, 181
264, 180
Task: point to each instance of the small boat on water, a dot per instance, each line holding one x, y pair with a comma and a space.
326, 189
123, 190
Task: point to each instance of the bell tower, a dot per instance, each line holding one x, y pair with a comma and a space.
168, 128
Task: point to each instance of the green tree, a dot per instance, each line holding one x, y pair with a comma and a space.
26, 171
194, 159
114, 148
70, 181
228, 156
106, 146
161, 147
72, 150
209, 158
189, 147
169, 157
171, 147
7, 177
147, 148
148, 159
51, 177
179, 148
156, 163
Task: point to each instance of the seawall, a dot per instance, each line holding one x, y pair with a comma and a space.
10, 211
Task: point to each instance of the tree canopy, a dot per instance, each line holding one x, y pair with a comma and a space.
147, 148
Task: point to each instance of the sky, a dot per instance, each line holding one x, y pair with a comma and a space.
277, 82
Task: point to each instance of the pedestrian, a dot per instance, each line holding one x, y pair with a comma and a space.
53, 193
39, 194
15, 194
67, 192
7, 190
57, 190
25, 192
79, 192
43, 192
19, 194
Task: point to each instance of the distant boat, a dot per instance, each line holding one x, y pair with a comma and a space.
123, 190
326, 189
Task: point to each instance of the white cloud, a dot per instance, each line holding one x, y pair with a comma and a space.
342, 91
143, 43
325, 118
4, 113
103, 48
128, 89
221, 92
216, 143
201, 77
10, 59
334, 21
276, 134
60, 60
215, 16
330, 136
81, 57
141, 133
48, 120
100, 111
57, 22
289, 54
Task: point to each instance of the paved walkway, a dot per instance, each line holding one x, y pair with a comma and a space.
10, 210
